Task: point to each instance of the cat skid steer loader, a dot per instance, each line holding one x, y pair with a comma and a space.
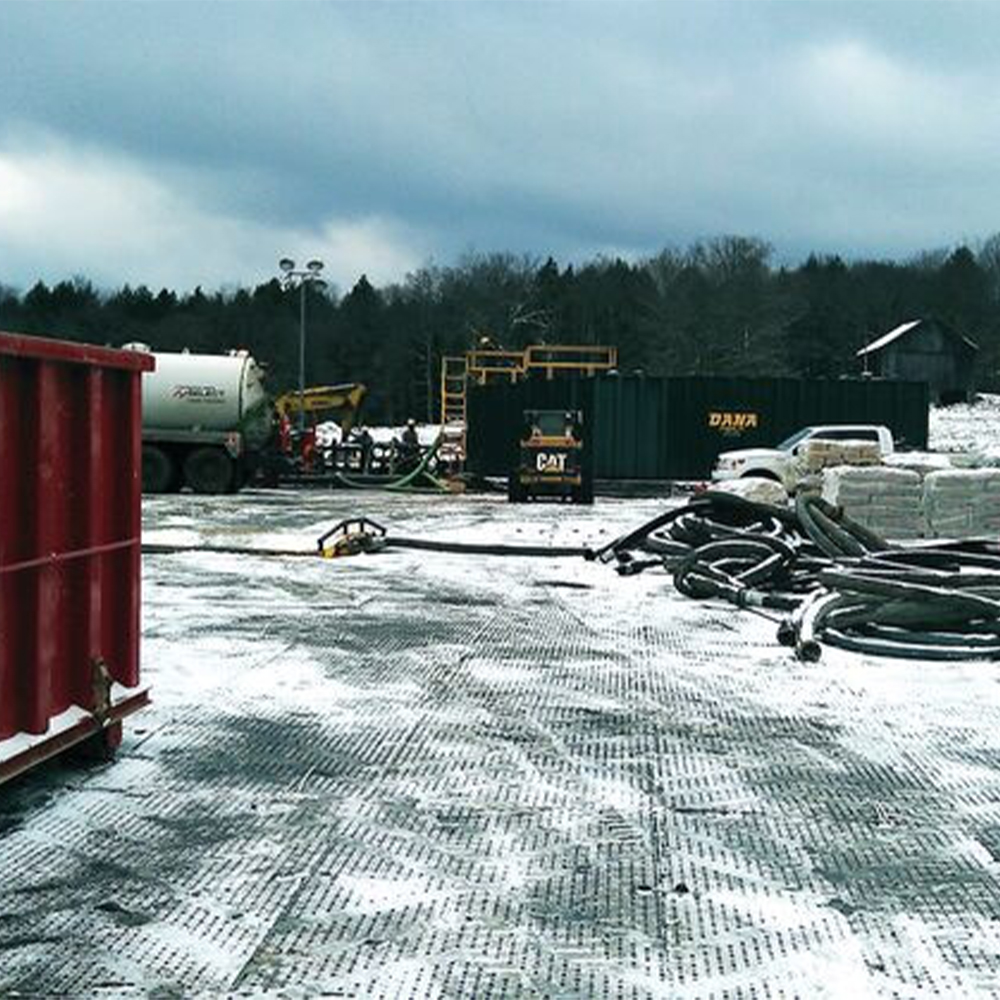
552, 462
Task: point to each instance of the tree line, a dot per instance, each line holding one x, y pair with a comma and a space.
718, 307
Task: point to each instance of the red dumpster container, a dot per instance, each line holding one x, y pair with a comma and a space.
70, 492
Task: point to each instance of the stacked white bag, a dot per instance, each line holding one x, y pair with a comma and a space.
888, 501
818, 453
959, 503
754, 488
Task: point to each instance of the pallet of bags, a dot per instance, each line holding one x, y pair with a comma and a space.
754, 488
922, 462
888, 501
959, 503
816, 454
861, 453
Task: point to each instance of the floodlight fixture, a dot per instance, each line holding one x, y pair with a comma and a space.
289, 278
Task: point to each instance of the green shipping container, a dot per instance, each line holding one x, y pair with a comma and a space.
673, 428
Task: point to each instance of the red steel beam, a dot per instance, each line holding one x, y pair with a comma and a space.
59, 742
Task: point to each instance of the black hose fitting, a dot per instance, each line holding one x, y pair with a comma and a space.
788, 634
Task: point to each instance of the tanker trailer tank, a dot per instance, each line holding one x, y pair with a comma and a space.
205, 420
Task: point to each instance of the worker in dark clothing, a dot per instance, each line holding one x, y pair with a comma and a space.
360, 443
409, 447
367, 443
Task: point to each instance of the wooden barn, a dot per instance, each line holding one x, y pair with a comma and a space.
924, 350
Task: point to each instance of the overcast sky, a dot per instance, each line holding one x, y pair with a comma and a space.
188, 143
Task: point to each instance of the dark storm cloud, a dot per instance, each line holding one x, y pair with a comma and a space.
388, 133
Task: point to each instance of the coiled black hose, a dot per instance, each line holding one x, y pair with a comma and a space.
843, 585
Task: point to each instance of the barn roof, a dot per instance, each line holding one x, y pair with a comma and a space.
896, 333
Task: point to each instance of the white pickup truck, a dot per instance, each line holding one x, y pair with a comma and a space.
781, 463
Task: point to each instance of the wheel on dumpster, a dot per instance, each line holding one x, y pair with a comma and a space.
159, 472
209, 470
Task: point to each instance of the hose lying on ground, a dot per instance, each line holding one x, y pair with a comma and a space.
487, 549
426, 544
837, 582
356, 535
417, 480
841, 584
173, 549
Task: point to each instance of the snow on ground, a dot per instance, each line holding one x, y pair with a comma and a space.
968, 428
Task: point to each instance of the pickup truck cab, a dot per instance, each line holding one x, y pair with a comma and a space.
780, 463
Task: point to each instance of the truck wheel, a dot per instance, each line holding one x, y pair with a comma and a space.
208, 470
516, 493
241, 476
159, 474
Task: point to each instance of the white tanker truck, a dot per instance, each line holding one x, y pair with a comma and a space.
205, 419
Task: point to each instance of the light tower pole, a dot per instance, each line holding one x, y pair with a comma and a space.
290, 278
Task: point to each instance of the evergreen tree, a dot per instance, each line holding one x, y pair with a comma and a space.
716, 307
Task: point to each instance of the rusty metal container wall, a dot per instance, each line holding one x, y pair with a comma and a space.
70, 492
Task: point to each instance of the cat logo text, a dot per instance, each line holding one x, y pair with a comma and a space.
550, 462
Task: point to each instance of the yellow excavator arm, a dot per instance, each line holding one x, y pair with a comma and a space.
340, 402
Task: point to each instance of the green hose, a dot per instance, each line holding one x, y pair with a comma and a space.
404, 484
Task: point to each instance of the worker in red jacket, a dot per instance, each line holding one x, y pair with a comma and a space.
308, 449
285, 434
